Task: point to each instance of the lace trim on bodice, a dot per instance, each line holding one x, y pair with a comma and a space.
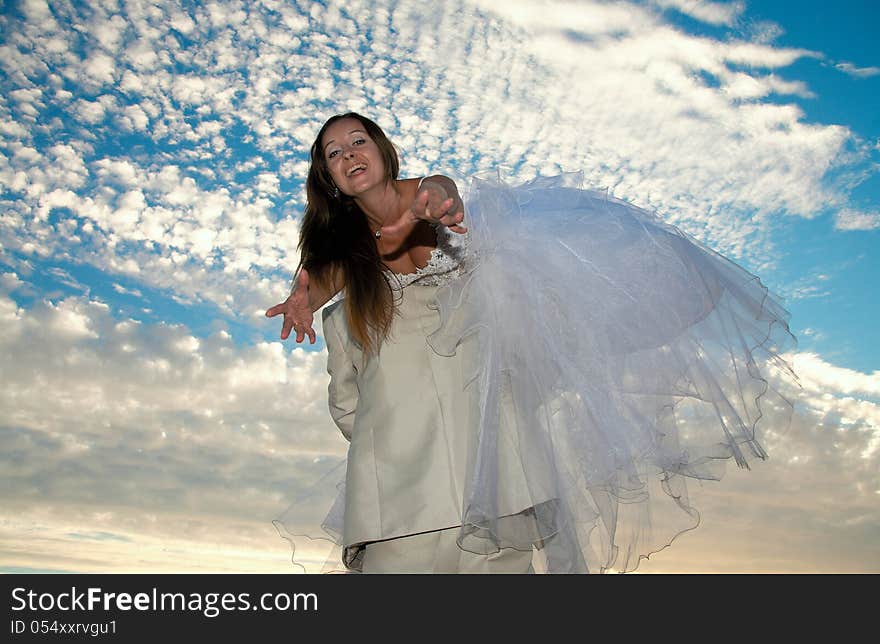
445, 263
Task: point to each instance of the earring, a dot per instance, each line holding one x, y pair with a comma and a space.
335, 192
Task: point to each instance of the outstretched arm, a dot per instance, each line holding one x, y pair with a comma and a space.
305, 298
437, 202
444, 189
320, 294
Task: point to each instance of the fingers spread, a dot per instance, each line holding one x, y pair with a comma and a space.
285, 329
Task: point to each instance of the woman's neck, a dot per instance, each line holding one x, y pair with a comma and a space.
380, 204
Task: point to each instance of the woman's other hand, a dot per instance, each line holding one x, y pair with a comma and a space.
298, 314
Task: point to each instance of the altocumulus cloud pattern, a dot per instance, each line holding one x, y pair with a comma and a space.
152, 157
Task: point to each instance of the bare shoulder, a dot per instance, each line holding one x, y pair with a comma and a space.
409, 187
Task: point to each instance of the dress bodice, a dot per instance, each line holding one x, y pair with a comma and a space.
446, 262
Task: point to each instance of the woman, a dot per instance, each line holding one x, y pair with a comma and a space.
532, 391
374, 234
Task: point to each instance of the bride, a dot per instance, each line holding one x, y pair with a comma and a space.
530, 391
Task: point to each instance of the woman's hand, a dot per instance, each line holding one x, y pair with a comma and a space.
298, 314
432, 204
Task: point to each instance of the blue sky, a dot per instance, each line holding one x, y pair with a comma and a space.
152, 160
849, 312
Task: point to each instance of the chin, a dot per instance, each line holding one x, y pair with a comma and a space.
364, 183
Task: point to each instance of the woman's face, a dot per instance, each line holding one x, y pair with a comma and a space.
353, 158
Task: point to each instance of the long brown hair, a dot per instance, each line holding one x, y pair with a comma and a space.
335, 241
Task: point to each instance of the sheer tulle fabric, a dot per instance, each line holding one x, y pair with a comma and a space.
614, 357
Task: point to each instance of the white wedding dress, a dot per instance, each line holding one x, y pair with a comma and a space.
552, 380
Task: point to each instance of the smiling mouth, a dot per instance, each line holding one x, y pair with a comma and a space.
356, 169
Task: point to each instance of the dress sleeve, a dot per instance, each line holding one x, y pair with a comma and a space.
343, 389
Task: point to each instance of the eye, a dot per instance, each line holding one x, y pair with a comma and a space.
332, 154
359, 141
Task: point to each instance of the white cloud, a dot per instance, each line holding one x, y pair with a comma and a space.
28, 101
182, 22
101, 69
191, 89
162, 227
135, 119
858, 72
595, 18
10, 282
122, 171
26, 154
69, 322
126, 291
647, 124
715, 13
739, 85
818, 375
37, 10
131, 430
162, 425
763, 31
109, 32
144, 379
806, 289
204, 209
11, 129
57, 199
267, 183
848, 219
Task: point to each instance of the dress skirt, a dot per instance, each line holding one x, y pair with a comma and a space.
438, 552
411, 443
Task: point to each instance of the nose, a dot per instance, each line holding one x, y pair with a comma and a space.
348, 153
